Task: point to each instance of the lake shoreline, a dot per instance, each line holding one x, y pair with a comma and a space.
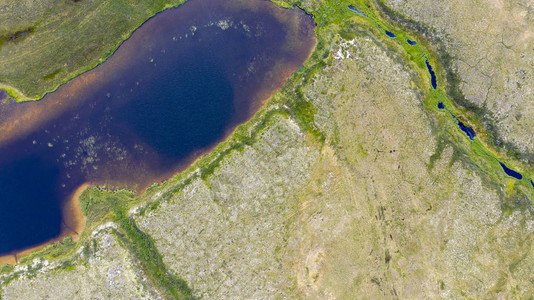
73, 225
75, 213
248, 102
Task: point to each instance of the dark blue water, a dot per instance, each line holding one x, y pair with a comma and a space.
432, 75
390, 34
532, 182
468, 131
192, 102
178, 86
356, 10
411, 42
30, 210
511, 172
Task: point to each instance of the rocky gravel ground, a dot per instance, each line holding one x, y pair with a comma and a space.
104, 271
383, 204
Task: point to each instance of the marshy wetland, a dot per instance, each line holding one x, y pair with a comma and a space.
353, 180
488, 159
179, 85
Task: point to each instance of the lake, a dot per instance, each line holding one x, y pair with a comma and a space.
179, 85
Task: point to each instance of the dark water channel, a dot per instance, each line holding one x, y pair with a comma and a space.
351, 7
466, 129
433, 80
180, 84
469, 132
511, 172
390, 34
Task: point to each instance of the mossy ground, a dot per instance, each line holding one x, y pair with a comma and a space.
63, 40
348, 183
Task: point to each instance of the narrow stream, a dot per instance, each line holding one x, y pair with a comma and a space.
421, 53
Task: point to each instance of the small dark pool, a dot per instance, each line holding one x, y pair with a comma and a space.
356, 10
467, 130
441, 106
511, 172
390, 34
411, 42
433, 80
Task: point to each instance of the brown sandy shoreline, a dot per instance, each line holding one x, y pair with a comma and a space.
72, 211
72, 226
74, 219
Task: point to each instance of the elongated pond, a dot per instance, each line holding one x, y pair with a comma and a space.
182, 82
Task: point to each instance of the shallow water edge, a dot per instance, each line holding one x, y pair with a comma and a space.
52, 128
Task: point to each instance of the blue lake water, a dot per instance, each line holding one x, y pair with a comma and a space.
390, 34
467, 130
511, 172
23, 187
411, 42
433, 80
178, 86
